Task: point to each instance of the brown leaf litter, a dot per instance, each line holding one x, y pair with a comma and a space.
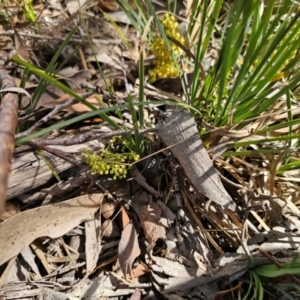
81, 236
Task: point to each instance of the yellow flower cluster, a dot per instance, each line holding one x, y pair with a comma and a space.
164, 64
109, 163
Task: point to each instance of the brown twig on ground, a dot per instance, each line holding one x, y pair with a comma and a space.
89, 136
9, 122
55, 152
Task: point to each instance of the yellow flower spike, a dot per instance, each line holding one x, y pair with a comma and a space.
150, 73
175, 74
177, 36
164, 64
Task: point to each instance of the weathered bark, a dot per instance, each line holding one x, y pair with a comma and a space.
31, 171
8, 124
180, 130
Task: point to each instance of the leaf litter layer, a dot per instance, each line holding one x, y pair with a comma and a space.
165, 231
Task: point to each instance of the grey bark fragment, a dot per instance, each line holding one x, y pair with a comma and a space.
193, 157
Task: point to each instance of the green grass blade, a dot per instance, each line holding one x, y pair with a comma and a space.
286, 295
240, 18
292, 166
272, 271
22, 85
251, 279
258, 287
141, 89
50, 68
134, 18
275, 54
137, 136
49, 164
47, 77
198, 59
255, 39
50, 79
255, 152
261, 103
100, 113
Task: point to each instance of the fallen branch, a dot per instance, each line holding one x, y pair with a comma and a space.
180, 130
9, 122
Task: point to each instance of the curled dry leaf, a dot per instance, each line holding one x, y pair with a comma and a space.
128, 249
52, 220
109, 229
139, 271
149, 218
16, 90
108, 209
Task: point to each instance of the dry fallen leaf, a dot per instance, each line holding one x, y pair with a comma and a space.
125, 217
92, 243
73, 6
175, 269
149, 218
77, 107
136, 295
21, 46
108, 5
108, 209
139, 271
9, 211
51, 220
109, 229
128, 249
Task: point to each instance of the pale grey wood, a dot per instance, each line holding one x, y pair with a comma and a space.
178, 130
30, 171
